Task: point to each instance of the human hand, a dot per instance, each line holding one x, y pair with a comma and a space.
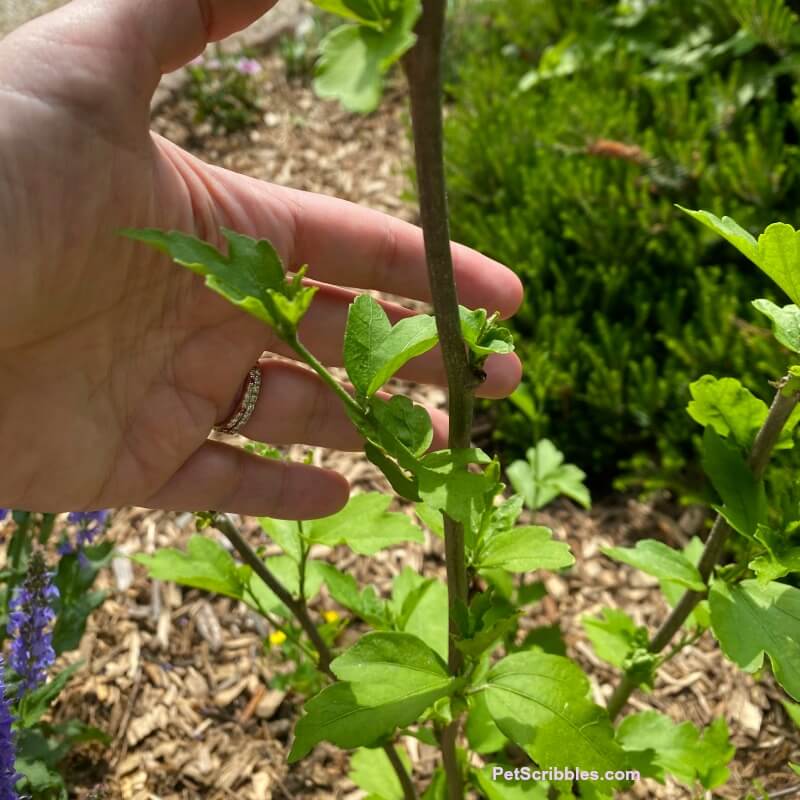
115, 364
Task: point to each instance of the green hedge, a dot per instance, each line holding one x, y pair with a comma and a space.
572, 182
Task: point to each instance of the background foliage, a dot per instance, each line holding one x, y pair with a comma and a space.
575, 127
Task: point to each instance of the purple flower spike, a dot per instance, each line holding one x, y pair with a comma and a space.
3, 513
90, 525
248, 66
8, 774
30, 625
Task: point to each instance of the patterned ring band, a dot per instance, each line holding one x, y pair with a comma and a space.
246, 405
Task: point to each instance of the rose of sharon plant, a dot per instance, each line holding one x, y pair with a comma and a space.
444, 664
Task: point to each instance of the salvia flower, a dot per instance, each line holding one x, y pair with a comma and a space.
90, 525
30, 625
8, 774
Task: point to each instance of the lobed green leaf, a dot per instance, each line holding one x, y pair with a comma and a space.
544, 476
751, 620
777, 251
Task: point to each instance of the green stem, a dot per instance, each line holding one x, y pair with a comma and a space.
326, 376
767, 437
423, 66
299, 610
304, 549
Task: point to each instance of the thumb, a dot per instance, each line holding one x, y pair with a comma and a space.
175, 31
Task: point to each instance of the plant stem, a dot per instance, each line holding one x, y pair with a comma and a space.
326, 376
423, 66
224, 524
767, 437
299, 610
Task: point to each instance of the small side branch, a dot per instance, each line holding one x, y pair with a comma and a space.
767, 437
298, 608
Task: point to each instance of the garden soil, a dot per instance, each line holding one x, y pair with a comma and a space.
180, 680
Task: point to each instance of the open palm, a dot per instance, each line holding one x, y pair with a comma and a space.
114, 364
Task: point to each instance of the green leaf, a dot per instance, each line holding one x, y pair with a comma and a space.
206, 564
524, 549
776, 252
345, 590
407, 581
403, 484
795, 768
657, 559
779, 559
424, 614
431, 518
251, 275
614, 635
40, 778
540, 702
35, 704
364, 11
679, 749
785, 322
729, 408
744, 498
409, 338
750, 620
793, 710
365, 525
546, 639
482, 733
437, 788
447, 484
408, 422
374, 350
286, 534
72, 618
354, 58
367, 327
74, 579
500, 789
482, 335
389, 680
544, 476
371, 771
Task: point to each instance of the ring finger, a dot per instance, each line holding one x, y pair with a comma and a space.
295, 407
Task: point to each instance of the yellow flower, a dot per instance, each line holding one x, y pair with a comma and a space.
330, 616
277, 638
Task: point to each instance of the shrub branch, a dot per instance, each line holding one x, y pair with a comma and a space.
783, 404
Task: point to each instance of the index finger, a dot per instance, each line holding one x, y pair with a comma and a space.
349, 245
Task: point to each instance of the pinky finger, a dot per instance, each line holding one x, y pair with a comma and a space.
225, 478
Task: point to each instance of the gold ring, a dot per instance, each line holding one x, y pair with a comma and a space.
246, 405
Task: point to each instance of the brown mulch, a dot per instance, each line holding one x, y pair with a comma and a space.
182, 681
